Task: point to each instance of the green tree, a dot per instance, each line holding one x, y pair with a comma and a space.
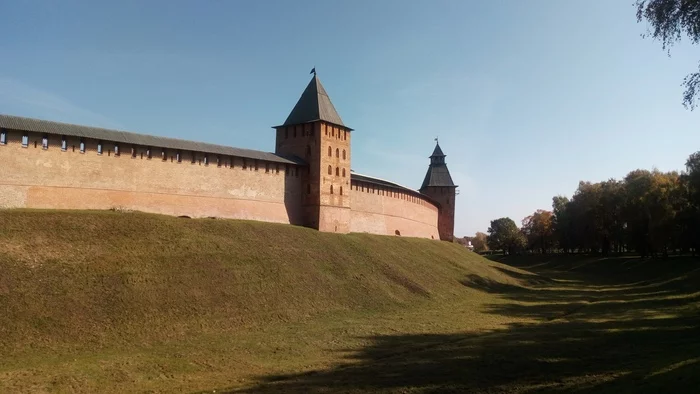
504, 235
669, 21
562, 224
480, 242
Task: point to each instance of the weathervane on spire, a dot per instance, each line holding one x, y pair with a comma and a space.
436, 140
313, 71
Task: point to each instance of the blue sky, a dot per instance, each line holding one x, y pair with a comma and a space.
527, 97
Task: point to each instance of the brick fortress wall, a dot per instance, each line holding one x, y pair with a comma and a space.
228, 187
384, 210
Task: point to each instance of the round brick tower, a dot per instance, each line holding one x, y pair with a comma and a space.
438, 185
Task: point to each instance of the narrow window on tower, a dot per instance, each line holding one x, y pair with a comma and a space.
45, 142
343, 172
337, 153
99, 147
343, 154
3, 137
82, 146
337, 171
64, 143
330, 170
331, 189
330, 151
341, 190
345, 136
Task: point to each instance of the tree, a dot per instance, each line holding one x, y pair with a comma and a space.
538, 230
480, 242
670, 20
562, 223
504, 235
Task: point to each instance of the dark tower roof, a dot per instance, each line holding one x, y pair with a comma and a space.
438, 174
314, 104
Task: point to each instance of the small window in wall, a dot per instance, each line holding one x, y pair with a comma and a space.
330, 170
99, 147
3, 137
337, 153
345, 136
332, 132
82, 146
25, 140
64, 143
330, 151
116, 149
331, 189
45, 142
344, 154
337, 171
341, 190
343, 172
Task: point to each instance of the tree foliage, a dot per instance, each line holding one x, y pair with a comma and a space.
669, 21
480, 242
504, 235
650, 212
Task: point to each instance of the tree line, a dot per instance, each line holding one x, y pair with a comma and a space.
652, 213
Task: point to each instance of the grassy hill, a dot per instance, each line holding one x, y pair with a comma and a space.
108, 301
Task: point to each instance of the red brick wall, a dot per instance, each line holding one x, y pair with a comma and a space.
384, 211
36, 178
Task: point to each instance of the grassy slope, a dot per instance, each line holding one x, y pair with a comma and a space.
121, 301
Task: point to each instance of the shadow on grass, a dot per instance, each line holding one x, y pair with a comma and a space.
590, 334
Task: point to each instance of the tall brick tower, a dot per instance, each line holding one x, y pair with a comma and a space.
439, 186
314, 132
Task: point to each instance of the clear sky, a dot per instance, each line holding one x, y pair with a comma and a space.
527, 97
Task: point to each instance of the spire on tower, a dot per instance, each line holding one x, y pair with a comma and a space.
438, 174
313, 105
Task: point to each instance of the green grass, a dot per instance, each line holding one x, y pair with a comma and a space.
130, 302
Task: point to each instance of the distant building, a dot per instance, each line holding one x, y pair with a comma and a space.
307, 180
